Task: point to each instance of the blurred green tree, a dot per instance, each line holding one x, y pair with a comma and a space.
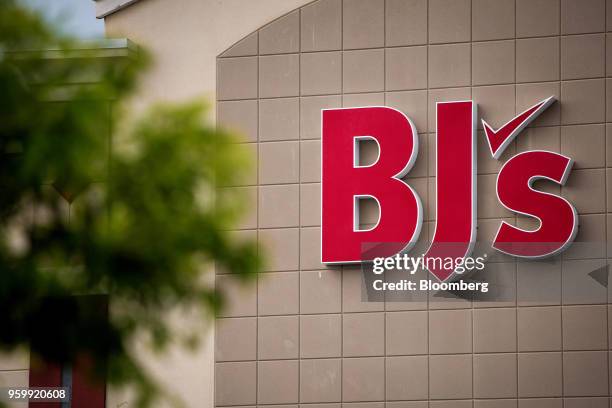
138, 217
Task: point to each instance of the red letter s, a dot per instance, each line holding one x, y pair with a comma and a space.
558, 218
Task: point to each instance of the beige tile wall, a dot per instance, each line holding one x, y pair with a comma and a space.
304, 335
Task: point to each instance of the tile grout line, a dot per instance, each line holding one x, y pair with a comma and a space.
413, 45
524, 306
342, 268
516, 294
561, 266
273, 405
428, 197
258, 230
384, 313
216, 321
437, 89
605, 61
299, 329
471, 70
489, 353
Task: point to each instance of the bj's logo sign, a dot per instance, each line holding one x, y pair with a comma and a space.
345, 181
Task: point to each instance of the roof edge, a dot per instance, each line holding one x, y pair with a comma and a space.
107, 47
107, 7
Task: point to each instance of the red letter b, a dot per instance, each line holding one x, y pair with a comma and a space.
345, 181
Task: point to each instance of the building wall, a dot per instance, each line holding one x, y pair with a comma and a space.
184, 38
305, 335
